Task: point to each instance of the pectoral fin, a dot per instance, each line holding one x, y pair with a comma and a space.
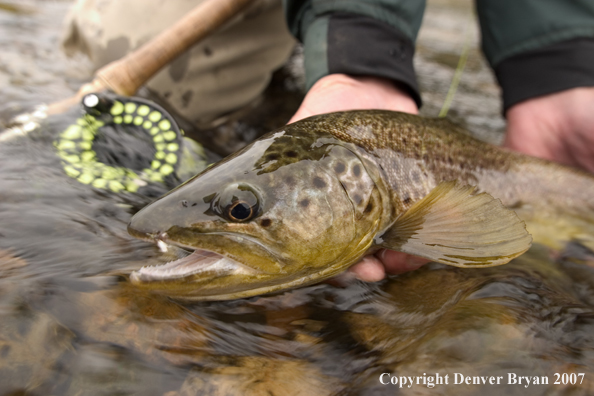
453, 225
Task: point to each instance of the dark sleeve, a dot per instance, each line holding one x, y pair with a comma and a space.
538, 47
358, 38
546, 70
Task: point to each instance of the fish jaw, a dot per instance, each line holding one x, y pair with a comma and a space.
218, 273
238, 268
198, 262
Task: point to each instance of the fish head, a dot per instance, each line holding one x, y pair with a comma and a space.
291, 209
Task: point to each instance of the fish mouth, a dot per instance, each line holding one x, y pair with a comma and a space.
198, 263
202, 264
223, 266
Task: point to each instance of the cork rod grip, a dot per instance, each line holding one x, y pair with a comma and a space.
126, 75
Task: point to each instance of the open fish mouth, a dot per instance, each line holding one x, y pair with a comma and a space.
200, 263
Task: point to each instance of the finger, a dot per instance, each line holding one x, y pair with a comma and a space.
369, 269
398, 262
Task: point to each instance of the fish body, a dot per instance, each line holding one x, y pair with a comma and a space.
308, 200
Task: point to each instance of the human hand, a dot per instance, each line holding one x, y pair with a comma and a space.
558, 127
339, 92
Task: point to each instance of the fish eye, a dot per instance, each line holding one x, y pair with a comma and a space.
239, 211
237, 203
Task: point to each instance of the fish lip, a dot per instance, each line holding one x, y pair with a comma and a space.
199, 261
143, 236
163, 236
227, 264
243, 237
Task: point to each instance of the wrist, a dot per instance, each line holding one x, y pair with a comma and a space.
377, 92
333, 41
341, 92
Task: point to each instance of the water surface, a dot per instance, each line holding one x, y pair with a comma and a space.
71, 324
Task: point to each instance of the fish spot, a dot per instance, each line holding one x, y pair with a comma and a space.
339, 168
291, 154
265, 222
369, 207
194, 204
357, 170
207, 51
272, 157
208, 198
304, 203
407, 200
184, 203
319, 182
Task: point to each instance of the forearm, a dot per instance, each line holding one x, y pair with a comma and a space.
358, 39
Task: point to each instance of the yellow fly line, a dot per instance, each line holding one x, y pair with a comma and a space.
459, 68
75, 144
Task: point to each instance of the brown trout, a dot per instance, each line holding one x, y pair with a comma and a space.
308, 200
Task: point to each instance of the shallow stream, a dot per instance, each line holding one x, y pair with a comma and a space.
71, 324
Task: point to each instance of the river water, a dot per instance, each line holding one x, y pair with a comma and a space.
71, 324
